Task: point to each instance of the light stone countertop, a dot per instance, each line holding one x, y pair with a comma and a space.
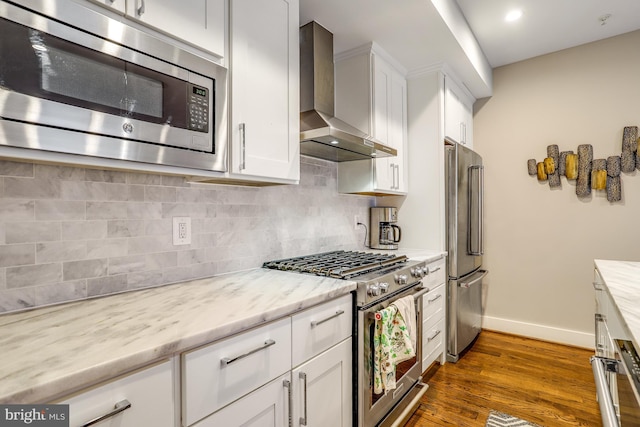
52, 351
622, 279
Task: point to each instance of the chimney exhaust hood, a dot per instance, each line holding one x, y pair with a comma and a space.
321, 134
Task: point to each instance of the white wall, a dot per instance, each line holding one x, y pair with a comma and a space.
541, 242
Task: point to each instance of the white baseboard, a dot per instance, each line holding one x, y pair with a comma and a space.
541, 332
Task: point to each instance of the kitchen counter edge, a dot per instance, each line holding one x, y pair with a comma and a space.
53, 351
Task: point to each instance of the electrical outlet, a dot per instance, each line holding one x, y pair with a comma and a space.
181, 230
356, 221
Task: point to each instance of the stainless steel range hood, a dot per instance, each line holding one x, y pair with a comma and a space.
321, 134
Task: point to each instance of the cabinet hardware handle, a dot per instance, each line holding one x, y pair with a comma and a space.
140, 10
431, 338
119, 407
243, 160
607, 410
319, 322
434, 270
229, 360
597, 286
287, 385
434, 299
303, 419
397, 177
393, 176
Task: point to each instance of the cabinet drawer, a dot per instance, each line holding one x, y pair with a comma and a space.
432, 342
318, 328
219, 373
437, 274
150, 392
433, 304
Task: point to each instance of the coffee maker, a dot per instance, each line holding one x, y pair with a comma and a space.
383, 231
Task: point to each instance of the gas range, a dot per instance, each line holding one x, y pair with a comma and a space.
377, 275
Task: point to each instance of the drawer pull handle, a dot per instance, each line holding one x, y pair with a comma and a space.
229, 360
434, 299
434, 270
319, 322
431, 338
597, 286
303, 419
119, 407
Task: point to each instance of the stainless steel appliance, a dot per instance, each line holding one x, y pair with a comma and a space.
616, 364
465, 246
381, 280
383, 231
321, 133
618, 385
76, 81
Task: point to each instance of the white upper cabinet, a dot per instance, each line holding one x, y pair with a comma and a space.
458, 113
371, 94
264, 66
197, 22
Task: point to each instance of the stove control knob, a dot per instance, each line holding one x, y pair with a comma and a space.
373, 290
420, 272
384, 287
401, 279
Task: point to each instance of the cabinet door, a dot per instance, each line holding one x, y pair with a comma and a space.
265, 129
267, 406
197, 22
458, 114
149, 391
322, 389
397, 124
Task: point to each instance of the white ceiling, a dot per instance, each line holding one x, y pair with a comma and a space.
413, 32
546, 25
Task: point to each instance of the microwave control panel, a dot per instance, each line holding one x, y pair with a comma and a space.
198, 108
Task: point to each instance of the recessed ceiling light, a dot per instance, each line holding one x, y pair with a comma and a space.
513, 15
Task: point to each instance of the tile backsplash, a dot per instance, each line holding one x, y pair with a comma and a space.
70, 233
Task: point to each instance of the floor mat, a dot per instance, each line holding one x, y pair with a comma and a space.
500, 419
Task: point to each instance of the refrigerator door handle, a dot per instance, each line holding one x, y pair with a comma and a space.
475, 239
474, 281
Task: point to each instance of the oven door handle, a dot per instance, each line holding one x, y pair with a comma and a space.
607, 410
421, 291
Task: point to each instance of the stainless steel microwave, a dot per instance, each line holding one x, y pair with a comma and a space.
76, 81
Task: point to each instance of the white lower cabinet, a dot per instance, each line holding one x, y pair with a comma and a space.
268, 406
322, 389
434, 305
298, 367
149, 392
218, 374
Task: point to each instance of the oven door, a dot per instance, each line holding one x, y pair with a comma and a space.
372, 408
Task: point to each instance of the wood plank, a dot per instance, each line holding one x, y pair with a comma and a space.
546, 383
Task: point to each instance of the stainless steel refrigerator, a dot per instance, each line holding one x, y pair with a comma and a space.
464, 174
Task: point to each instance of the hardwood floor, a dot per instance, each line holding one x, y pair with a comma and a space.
544, 383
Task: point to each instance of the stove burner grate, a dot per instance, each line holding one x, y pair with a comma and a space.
337, 264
